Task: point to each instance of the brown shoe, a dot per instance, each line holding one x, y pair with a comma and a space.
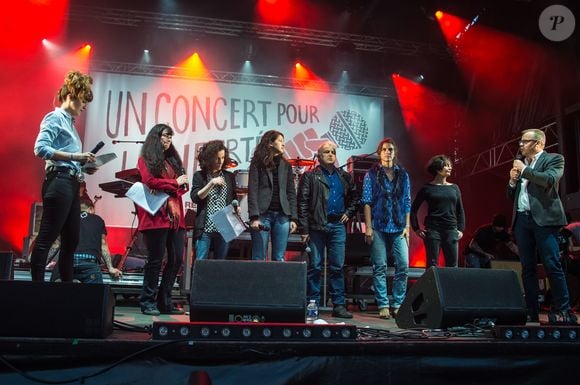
384, 313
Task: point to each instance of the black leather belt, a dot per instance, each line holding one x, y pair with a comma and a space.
53, 170
526, 212
333, 218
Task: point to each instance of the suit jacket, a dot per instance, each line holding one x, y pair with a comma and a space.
260, 184
543, 183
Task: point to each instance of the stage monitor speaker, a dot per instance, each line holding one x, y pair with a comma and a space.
54, 309
248, 291
448, 297
6, 265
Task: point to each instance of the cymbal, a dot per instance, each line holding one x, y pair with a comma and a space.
231, 163
301, 162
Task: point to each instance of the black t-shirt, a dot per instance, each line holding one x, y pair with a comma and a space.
445, 209
91, 234
488, 239
275, 202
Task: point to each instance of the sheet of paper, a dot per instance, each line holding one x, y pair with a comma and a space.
150, 200
101, 160
228, 223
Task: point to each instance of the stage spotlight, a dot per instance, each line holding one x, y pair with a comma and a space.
247, 67
146, 58
438, 15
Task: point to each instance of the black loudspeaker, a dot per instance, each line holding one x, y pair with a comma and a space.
447, 297
6, 265
248, 291
53, 309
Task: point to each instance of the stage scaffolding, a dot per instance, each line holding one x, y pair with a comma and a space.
222, 27
241, 78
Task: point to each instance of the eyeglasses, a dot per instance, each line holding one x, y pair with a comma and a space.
526, 141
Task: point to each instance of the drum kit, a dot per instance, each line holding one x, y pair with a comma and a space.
242, 181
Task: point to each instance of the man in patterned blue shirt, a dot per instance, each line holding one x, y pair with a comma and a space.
387, 207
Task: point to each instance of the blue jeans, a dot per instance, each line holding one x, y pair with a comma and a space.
277, 225
333, 239
477, 261
530, 238
398, 247
202, 246
441, 239
85, 273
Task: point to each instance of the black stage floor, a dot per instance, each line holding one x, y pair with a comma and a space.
379, 353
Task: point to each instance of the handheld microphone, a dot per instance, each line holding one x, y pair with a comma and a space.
519, 156
99, 145
183, 186
235, 204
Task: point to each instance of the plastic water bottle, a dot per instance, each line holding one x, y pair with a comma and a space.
311, 312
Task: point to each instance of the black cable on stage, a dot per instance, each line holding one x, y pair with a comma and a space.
82, 379
134, 328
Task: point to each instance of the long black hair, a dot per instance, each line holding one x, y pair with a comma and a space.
263, 154
154, 155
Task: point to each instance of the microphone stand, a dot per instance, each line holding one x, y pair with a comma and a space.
128, 141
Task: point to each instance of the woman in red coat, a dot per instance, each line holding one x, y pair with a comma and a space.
161, 169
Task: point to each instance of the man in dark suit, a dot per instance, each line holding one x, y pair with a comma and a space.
538, 215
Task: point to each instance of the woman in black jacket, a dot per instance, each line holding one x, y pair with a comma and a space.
271, 197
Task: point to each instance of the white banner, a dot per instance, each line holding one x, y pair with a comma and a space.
125, 107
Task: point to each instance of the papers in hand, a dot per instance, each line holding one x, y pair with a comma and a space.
228, 223
101, 160
149, 200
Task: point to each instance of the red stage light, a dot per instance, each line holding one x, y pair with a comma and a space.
438, 15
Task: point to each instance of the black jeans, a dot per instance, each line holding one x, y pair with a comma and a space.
534, 240
60, 216
442, 239
158, 241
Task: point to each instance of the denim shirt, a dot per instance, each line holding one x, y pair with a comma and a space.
381, 199
57, 133
335, 204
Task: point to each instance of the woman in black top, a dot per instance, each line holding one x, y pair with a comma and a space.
445, 220
212, 189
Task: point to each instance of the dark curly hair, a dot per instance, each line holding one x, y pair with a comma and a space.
208, 152
154, 155
78, 86
437, 163
263, 155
